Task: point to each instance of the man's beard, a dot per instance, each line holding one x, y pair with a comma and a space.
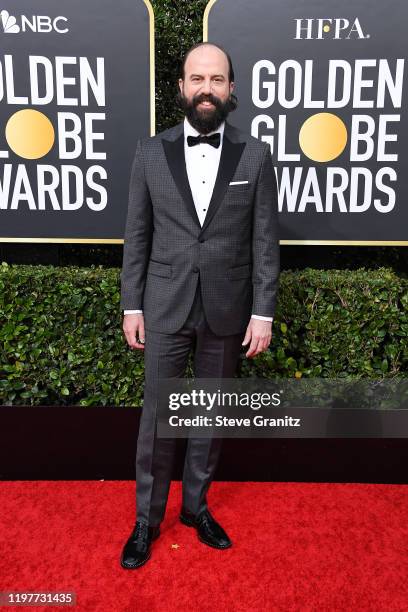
205, 120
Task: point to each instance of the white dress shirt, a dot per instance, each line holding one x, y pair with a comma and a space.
202, 163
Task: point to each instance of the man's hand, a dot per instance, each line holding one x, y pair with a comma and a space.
133, 328
259, 334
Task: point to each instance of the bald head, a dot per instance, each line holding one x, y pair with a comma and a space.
208, 50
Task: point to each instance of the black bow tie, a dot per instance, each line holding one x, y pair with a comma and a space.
213, 140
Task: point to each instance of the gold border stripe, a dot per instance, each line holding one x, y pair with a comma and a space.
348, 242
152, 69
68, 240
205, 19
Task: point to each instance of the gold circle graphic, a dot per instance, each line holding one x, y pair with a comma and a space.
326, 28
323, 137
30, 134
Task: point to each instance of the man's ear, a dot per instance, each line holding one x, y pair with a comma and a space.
232, 86
180, 84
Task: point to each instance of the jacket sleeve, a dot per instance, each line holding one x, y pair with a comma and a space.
265, 240
138, 237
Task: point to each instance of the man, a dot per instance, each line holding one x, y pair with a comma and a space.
200, 271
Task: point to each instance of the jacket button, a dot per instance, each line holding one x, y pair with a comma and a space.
195, 269
201, 240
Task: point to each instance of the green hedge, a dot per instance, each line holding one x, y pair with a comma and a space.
61, 339
178, 25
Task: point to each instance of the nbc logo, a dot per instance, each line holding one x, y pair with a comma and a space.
36, 23
9, 23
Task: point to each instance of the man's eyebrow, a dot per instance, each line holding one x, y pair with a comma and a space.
200, 75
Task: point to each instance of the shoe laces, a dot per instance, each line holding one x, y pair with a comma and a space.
140, 535
205, 518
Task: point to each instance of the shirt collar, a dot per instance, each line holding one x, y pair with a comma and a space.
190, 131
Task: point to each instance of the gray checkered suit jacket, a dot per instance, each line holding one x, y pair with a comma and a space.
235, 253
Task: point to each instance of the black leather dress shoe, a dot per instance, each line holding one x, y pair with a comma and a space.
137, 549
208, 530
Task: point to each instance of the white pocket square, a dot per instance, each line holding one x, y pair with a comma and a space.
239, 182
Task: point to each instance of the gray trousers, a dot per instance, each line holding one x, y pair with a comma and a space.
166, 356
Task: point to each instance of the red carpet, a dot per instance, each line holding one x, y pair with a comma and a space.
297, 546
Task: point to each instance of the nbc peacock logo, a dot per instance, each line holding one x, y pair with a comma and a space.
39, 24
9, 23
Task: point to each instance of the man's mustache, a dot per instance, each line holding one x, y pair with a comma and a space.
206, 98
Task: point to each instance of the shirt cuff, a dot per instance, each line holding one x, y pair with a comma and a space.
252, 316
262, 318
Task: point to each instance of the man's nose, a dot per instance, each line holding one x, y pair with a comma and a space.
206, 86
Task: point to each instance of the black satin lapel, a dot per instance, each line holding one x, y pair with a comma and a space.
174, 151
230, 156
